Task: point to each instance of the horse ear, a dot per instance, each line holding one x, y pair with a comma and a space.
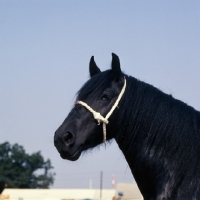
93, 67
116, 64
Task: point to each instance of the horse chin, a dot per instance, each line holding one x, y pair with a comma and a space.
75, 156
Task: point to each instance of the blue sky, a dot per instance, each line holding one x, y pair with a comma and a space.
45, 47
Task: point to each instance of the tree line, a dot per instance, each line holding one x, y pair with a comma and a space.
21, 170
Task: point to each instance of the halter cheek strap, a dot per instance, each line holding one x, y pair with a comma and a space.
99, 117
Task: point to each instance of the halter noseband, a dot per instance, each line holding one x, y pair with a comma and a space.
98, 116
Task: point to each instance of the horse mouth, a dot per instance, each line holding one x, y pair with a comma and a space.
72, 157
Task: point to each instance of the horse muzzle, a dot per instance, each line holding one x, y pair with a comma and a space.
65, 144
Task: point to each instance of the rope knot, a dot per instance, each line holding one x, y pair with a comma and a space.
99, 118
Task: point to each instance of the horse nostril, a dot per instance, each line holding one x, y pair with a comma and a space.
68, 139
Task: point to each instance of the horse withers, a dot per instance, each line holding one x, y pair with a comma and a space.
158, 135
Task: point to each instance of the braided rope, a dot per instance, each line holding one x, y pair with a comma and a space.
96, 115
99, 117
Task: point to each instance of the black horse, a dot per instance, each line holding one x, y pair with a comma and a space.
158, 135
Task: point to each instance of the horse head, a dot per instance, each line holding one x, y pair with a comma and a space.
86, 124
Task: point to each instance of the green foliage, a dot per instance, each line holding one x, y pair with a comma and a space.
20, 170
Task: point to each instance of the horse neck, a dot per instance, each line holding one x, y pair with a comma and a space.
147, 139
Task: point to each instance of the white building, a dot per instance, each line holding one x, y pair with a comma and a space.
130, 192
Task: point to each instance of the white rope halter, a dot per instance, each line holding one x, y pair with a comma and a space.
98, 116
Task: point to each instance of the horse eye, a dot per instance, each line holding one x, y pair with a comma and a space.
106, 97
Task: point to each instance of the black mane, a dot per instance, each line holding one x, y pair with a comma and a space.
95, 86
160, 137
